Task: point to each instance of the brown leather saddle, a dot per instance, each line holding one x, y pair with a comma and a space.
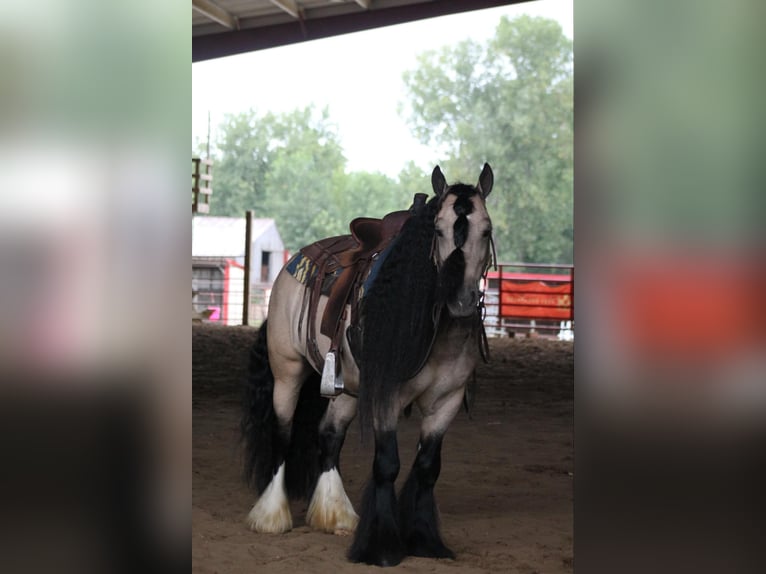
343, 263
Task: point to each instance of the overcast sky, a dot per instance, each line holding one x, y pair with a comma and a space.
358, 76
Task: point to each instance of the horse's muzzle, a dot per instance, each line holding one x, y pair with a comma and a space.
465, 304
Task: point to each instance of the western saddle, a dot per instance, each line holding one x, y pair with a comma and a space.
343, 264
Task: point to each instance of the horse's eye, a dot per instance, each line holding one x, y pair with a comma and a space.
439, 233
486, 233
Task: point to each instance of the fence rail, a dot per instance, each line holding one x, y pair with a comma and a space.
222, 295
530, 298
520, 298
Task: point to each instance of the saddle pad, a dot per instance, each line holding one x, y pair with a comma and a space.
374, 269
304, 270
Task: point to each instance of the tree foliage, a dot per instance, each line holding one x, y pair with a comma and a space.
291, 167
510, 103
306, 162
241, 159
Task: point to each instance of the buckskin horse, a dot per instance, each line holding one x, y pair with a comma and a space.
390, 315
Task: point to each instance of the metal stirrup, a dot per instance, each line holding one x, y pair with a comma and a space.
332, 384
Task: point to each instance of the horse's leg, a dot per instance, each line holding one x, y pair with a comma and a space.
418, 516
330, 509
271, 512
377, 540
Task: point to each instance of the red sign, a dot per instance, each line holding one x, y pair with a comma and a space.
536, 300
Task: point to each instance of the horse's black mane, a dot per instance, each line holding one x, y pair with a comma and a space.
400, 311
397, 314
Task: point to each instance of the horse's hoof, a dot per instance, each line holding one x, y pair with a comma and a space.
391, 561
270, 524
431, 549
339, 524
442, 552
428, 547
330, 509
271, 514
274, 520
384, 561
389, 555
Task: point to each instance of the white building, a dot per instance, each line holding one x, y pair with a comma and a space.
218, 258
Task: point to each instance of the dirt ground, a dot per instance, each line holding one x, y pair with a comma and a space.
504, 494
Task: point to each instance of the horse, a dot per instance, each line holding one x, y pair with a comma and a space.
413, 335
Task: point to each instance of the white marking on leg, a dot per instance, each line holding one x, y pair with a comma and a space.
330, 509
272, 512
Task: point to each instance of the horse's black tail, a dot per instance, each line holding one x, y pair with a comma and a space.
264, 452
258, 425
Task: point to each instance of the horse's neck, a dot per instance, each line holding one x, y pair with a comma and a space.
454, 334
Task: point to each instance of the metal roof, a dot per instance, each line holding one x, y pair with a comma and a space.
225, 236
225, 27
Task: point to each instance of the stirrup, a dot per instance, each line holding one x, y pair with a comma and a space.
331, 385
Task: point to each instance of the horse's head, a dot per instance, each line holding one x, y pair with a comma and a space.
462, 241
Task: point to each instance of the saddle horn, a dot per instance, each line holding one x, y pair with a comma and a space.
418, 203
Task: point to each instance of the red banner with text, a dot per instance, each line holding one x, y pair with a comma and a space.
536, 300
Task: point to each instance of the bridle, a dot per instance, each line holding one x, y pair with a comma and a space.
491, 262
481, 311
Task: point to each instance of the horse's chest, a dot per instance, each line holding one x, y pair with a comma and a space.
454, 355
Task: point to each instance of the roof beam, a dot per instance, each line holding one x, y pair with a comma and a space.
219, 44
364, 4
289, 6
211, 10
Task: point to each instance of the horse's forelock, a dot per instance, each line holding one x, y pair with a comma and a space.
462, 207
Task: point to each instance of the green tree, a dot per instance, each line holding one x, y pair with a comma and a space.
413, 180
369, 194
510, 103
241, 160
291, 167
284, 166
306, 164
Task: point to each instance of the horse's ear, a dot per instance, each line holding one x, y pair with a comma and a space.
438, 182
486, 179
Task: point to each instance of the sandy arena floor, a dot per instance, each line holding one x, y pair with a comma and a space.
505, 490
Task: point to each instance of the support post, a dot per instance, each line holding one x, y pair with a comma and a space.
248, 265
